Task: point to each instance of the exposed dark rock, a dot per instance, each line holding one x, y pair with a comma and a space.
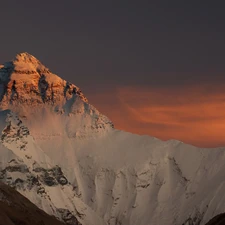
39, 169
43, 86
62, 180
41, 190
52, 176
67, 217
32, 181
18, 180
50, 181
17, 168
57, 171
58, 174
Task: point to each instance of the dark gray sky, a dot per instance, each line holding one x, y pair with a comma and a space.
119, 42
99, 45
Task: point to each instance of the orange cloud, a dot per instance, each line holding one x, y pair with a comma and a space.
192, 114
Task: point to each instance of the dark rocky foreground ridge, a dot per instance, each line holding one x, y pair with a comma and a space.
15, 209
217, 220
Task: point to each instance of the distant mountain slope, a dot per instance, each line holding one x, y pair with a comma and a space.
17, 210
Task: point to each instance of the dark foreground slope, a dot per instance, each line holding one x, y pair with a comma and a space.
217, 220
17, 210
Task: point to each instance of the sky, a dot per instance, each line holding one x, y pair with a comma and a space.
153, 67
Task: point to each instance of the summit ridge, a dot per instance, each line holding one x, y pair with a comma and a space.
26, 57
25, 63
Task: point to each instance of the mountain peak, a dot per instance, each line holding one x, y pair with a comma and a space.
22, 63
25, 62
26, 80
29, 89
25, 57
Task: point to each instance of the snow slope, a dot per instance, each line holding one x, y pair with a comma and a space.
66, 157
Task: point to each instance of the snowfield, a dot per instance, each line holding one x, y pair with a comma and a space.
66, 157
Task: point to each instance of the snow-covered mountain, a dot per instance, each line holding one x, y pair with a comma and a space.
66, 157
